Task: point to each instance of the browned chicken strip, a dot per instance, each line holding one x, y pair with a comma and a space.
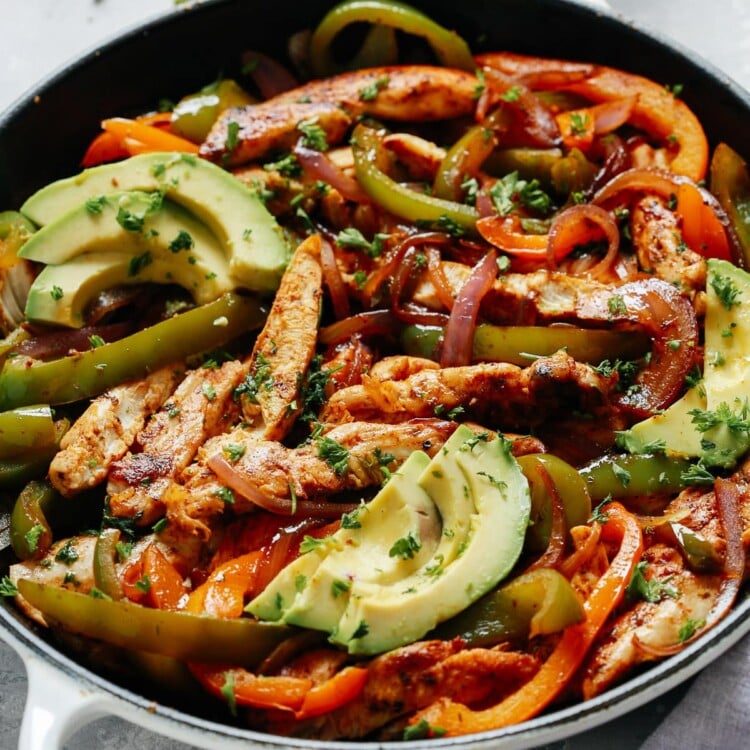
406, 92
407, 679
284, 348
106, 430
659, 246
202, 406
497, 394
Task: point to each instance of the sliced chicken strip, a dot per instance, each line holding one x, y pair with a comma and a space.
284, 349
494, 393
409, 678
202, 406
410, 93
104, 433
659, 246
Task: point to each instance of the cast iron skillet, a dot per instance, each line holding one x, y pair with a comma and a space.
43, 137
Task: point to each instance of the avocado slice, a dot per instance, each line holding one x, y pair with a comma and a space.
314, 589
128, 222
252, 240
60, 294
390, 582
724, 389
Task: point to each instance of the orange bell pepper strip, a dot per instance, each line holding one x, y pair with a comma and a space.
701, 229
105, 147
579, 127
505, 232
166, 587
570, 651
279, 692
150, 137
224, 591
343, 687
656, 110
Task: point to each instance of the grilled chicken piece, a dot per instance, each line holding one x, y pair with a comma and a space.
284, 348
277, 471
74, 570
494, 393
686, 598
421, 158
201, 407
106, 430
659, 246
405, 93
410, 678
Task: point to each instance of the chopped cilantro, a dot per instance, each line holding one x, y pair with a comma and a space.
233, 451
300, 581
183, 241
689, 628
143, 584
511, 191
225, 494
598, 514
227, 691
32, 537
7, 587
650, 590
96, 205
96, 593
334, 454
422, 730
350, 520
287, 166
160, 525
351, 237
513, 94
96, 341
139, 262
233, 132
579, 123
371, 90
616, 305
208, 391
56, 293
725, 289
67, 554
339, 587
405, 547
362, 630
313, 135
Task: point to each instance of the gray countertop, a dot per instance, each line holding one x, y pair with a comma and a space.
40, 35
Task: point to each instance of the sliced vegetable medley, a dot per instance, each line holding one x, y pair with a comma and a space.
375, 399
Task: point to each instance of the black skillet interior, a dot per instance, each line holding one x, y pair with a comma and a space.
44, 135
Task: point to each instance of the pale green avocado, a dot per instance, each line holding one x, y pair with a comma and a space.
724, 389
252, 240
314, 590
131, 223
392, 580
60, 293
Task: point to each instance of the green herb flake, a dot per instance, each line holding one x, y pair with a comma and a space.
183, 241
8, 588
334, 454
95, 341
227, 692
599, 514
422, 730
621, 474
56, 293
405, 547
139, 262
233, 451
96, 593
96, 205
339, 587
314, 136
143, 584
369, 92
726, 290
208, 391
650, 590
225, 494
689, 628
67, 554
362, 630
232, 140
160, 525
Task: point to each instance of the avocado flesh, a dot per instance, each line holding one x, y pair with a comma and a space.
252, 240
481, 498
60, 294
726, 381
88, 252
104, 228
314, 589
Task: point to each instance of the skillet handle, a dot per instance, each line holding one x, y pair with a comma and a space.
56, 707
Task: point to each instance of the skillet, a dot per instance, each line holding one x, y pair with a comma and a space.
181, 52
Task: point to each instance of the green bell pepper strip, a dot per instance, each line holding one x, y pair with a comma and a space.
520, 345
450, 48
540, 602
700, 554
181, 635
17, 471
634, 475
463, 159
398, 199
24, 429
571, 487
730, 183
30, 532
25, 381
11, 341
194, 115
105, 573
530, 163
573, 173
